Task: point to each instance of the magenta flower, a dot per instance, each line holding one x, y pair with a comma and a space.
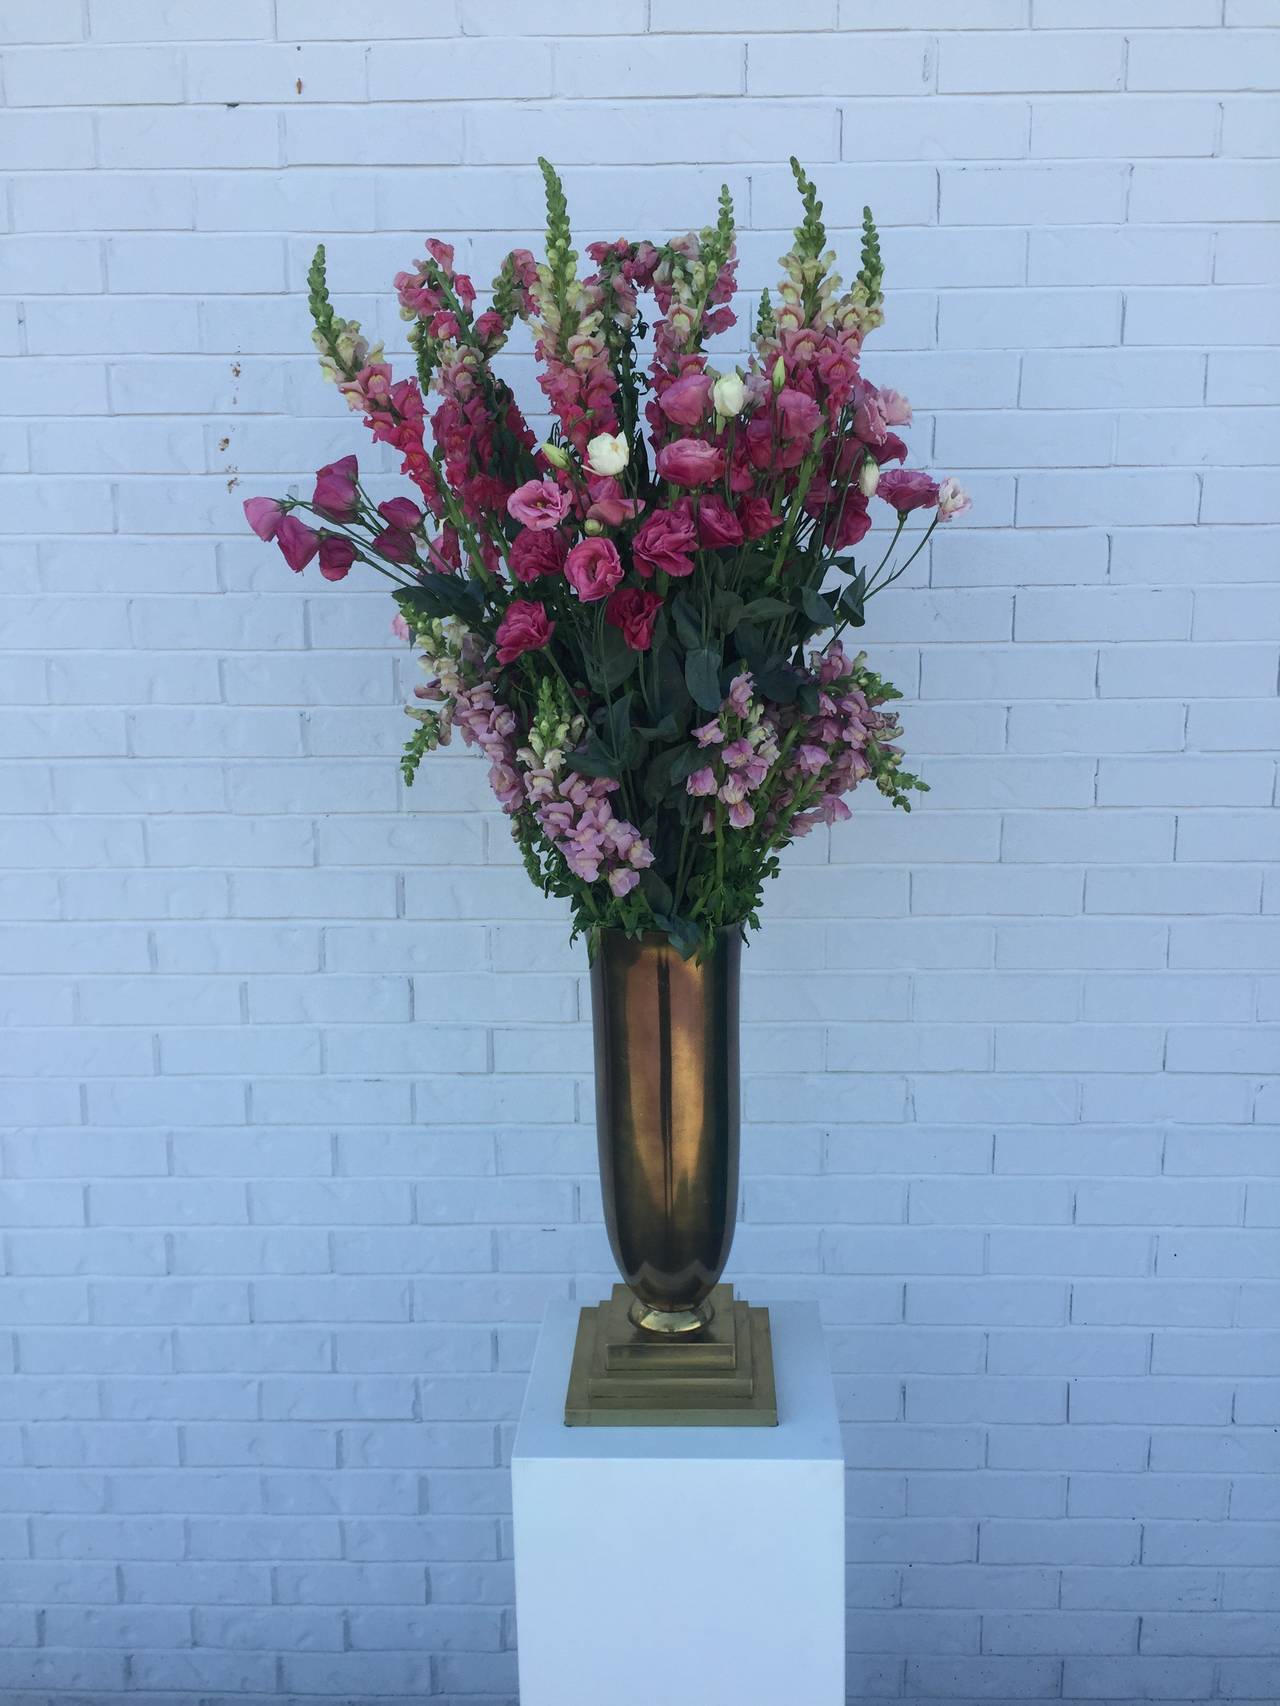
690, 462
263, 515
336, 556
537, 551
538, 504
906, 489
593, 568
335, 494
717, 524
685, 400
525, 627
402, 513
394, 544
298, 543
798, 415
756, 517
608, 504
664, 543
634, 611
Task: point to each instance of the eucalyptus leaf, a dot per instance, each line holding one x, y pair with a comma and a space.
766, 609
593, 760
816, 608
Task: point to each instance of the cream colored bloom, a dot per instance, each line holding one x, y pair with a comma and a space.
868, 476
728, 395
608, 453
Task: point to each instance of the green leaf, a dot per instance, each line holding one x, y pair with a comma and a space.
614, 662
702, 673
684, 761
726, 610
816, 608
807, 698
656, 892
765, 609
592, 760
619, 722
852, 601
780, 685
687, 621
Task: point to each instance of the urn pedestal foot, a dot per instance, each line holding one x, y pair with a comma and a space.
718, 1374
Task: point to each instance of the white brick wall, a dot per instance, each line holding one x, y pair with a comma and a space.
299, 1127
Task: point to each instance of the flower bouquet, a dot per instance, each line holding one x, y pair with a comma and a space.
641, 620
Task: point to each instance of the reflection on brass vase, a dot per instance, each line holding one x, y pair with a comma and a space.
674, 1347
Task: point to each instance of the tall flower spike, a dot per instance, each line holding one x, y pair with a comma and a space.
318, 293
811, 233
871, 277
562, 258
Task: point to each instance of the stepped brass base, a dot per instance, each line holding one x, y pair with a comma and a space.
718, 1377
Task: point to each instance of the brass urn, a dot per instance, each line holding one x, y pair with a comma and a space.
672, 1346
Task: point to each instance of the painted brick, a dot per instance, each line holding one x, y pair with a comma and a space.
1005, 1121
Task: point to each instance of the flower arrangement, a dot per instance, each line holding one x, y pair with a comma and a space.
640, 621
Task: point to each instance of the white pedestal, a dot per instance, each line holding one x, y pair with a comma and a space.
682, 1566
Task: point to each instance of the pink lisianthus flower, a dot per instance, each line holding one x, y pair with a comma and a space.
895, 408
538, 551
593, 568
757, 517
298, 543
264, 516
401, 513
701, 782
906, 489
525, 627
717, 524
664, 543
848, 521
634, 611
335, 494
690, 462
608, 505
336, 556
685, 401
798, 415
952, 499
538, 504
394, 544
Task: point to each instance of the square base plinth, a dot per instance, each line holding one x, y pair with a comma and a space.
682, 1566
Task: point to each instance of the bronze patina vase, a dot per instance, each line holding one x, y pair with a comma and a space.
672, 1346
666, 1059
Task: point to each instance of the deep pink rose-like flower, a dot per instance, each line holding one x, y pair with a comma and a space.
263, 515
663, 544
401, 513
757, 517
526, 627
685, 401
394, 544
335, 494
536, 551
848, 521
593, 569
607, 504
538, 504
717, 524
690, 462
298, 543
798, 415
634, 611
336, 556
907, 489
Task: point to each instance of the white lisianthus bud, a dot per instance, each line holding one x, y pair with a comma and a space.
555, 454
608, 453
779, 374
593, 527
868, 476
728, 395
